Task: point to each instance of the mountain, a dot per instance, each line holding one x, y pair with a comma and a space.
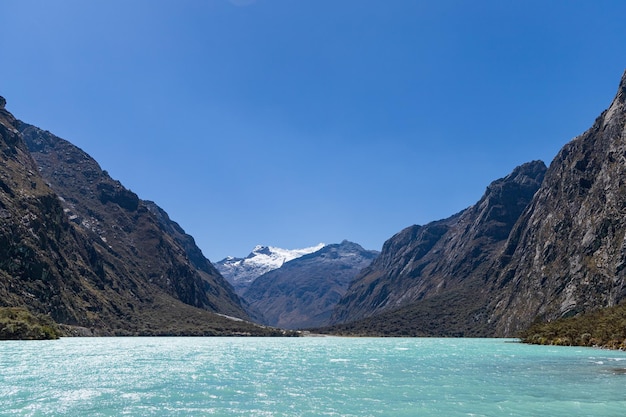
442, 258
77, 246
241, 272
539, 246
303, 292
567, 253
152, 246
43, 260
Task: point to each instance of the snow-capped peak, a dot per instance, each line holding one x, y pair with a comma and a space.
275, 257
242, 271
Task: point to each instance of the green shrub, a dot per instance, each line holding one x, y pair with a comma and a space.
20, 324
605, 328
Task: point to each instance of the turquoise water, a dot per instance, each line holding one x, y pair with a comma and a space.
307, 377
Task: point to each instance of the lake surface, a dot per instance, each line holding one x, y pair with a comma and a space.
307, 377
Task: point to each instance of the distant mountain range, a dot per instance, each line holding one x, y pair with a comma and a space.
303, 292
241, 272
295, 288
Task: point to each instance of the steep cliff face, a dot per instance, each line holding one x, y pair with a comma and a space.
443, 257
43, 262
138, 237
567, 253
503, 263
303, 292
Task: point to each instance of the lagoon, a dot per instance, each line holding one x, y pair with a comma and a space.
310, 376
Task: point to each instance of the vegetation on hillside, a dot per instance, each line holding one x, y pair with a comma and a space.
20, 324
461, 318
164, 318
601, 328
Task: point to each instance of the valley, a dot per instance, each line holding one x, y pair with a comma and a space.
543, 244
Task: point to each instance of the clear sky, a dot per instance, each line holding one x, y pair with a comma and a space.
294, 122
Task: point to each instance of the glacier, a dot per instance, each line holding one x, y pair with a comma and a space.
241, 272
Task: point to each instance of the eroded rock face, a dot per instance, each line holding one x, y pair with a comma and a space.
36, 240
567, 253
421, 262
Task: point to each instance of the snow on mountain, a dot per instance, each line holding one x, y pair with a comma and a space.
241, 272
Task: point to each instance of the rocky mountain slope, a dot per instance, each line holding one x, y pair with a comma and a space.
154, 248
303, 292
92, 255
442, 257
241, 272
516, 256
43, 260
567, 253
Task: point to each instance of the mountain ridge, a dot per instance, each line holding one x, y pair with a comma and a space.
303, 292
574, 230
104, 208
241, 272
61, 257
421, 262
563, 255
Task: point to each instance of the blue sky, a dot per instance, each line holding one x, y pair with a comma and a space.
294, 122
